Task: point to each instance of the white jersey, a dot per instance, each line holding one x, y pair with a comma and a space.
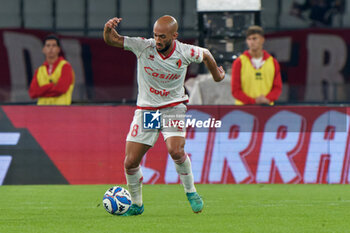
161, 79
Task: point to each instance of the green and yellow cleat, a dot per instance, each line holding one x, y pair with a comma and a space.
134, 210
195, 201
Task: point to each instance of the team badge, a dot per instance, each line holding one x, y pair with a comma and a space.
179, 63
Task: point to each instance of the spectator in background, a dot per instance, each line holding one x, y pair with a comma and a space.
53, 81
256, 77
321, 11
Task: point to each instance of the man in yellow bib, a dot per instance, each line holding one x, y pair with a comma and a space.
53, 81
256, 77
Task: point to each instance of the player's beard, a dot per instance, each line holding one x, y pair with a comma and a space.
166, 47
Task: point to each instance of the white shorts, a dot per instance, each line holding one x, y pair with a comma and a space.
138, 133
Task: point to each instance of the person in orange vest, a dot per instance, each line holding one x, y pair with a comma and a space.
256, 77
53, 81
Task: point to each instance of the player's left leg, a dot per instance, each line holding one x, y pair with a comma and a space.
175, 146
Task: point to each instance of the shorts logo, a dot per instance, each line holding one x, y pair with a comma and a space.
151, 119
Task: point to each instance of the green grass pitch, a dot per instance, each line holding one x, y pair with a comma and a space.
228, 208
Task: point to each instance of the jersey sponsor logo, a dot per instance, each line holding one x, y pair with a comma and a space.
151, 57
155, 74
157, 92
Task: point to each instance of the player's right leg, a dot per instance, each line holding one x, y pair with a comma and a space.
134, 152
138, 142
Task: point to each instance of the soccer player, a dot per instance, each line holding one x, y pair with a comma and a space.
161, 69
53, 81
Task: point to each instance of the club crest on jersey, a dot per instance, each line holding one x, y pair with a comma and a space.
151, 57
179, 63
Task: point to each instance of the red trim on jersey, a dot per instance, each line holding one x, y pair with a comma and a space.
266, 55
164, 106
169, 55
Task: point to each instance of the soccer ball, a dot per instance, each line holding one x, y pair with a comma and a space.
116, 200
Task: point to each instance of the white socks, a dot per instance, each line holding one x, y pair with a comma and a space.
183, 168
134, 178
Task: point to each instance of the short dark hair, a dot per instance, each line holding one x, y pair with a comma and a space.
52, 37
254, 30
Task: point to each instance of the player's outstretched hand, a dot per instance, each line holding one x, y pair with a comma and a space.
221, 72
110, 34
112, 23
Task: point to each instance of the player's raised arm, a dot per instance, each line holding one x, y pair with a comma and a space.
110, 35
218, 73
